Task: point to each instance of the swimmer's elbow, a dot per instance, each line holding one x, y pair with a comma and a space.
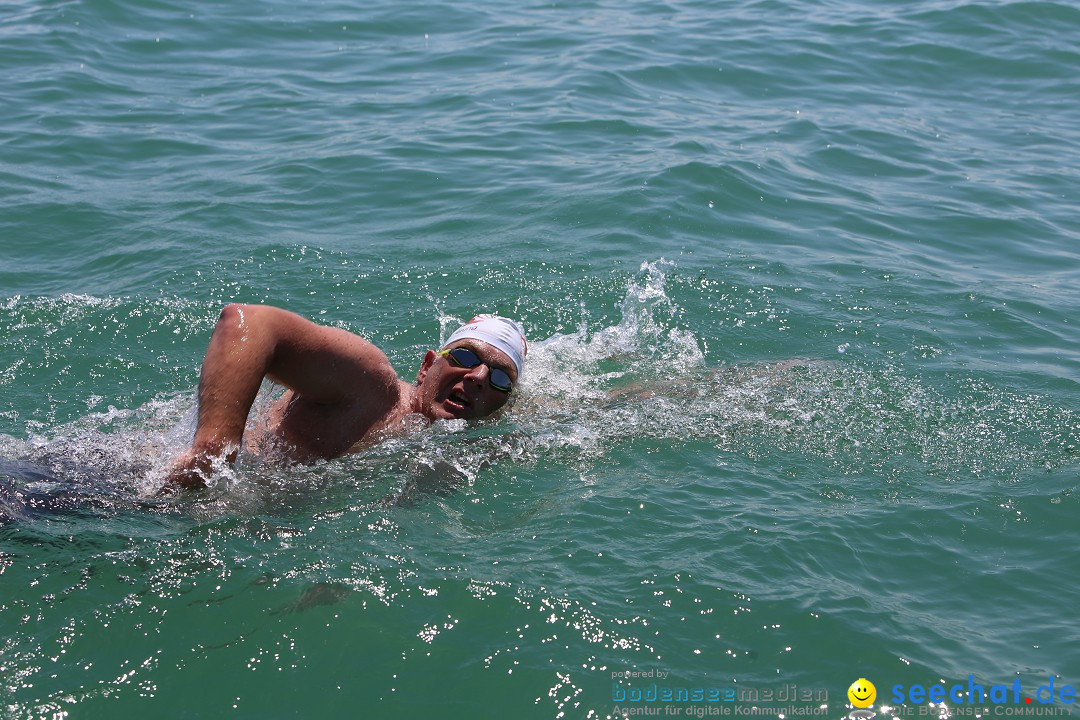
237, 314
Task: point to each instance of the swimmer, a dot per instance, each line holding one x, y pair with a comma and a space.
341, 389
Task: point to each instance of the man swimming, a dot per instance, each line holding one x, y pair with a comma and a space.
341, 389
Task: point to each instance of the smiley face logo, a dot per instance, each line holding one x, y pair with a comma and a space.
862, 693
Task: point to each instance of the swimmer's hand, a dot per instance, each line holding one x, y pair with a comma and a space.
190, 471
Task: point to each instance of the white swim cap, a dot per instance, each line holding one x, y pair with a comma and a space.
503, 333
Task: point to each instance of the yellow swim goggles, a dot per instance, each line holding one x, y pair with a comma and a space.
463, 357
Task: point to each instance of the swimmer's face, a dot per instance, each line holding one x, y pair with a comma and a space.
447, 391
862, 693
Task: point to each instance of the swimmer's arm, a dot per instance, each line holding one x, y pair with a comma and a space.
322, 364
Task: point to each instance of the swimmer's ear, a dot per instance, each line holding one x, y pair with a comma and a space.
429, 359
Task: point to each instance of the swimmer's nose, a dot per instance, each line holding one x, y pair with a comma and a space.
478, 374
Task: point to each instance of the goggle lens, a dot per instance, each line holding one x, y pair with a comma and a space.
465, 358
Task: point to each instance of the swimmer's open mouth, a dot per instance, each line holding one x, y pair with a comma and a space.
458, 398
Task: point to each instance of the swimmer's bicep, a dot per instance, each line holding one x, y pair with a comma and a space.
331, 365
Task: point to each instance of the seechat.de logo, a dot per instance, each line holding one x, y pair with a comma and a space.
974, 693
862, 694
